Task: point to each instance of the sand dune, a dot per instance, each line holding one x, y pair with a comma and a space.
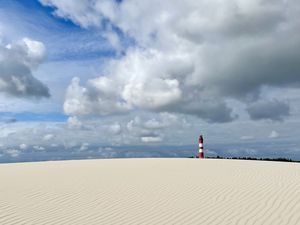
150, 191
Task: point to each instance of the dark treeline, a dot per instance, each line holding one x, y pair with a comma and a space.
253, 158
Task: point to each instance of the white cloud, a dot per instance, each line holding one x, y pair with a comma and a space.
134, 133
113, 39
39, 148
115, 128
153, 124
13, 152
23, 146
151, 139
36, 51
48, 137
93, 100
274, 134
74, 122
248, 137
17, 61
182, 62
84, 146
151, 128
164, 120
100, 149
81, 12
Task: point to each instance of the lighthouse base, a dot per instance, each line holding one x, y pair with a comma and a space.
201, 155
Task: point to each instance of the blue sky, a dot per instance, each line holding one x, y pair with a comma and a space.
104, 78
30, 18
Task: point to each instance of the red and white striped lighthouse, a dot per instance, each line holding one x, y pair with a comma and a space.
201, 153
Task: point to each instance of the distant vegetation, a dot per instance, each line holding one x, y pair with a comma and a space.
253, 158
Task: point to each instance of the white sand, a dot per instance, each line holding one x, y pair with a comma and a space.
150, 191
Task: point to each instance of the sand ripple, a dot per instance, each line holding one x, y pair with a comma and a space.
150, 191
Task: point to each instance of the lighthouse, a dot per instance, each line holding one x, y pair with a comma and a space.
201, 153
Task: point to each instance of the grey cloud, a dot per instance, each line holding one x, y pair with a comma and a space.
265, 18
266, 63
238, 20
12, 152
68, 141
85, 11
11, 120
16, 64
273, 110
149, 139
212, 111
103, 100
191, 59
8, 119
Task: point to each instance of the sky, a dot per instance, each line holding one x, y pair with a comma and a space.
140, 78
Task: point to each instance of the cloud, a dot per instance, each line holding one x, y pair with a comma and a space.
182, 61
137, 88
100, 97
9, 120
48, 137
151, 139
115, 128
274, 134
145, 129
13, 152
246, 137
274, 110
23, 146
106, 131
164, 120
36, 52
83, 13
17, 61
84, 147
153, 124
74, 122
154, 127
39, 148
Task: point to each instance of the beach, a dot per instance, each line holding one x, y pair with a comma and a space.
150, 191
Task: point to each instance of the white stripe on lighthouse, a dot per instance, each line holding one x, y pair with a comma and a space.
201, 151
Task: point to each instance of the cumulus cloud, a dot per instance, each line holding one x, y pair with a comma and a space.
115, 128
9, 120
154, 127
48, 137
84, 146
247, 137
13, 152
145, 127
164, 120
153, 124
36, 52
83, 13
274, 110
189, 56
150, 139
274, 134
39, 148
74, 122
100, 97
23, 146
106, 131
17, 61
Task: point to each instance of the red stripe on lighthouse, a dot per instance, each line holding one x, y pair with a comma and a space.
201, 153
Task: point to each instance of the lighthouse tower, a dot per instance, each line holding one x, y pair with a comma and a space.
201, 153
